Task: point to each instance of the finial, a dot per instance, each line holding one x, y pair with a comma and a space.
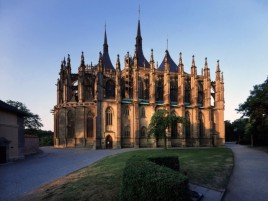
180, 61
206, 62
64, 62
118, 62
68, 61
193, 61
139, 12
218, 65
100, 55
152, 55
222, 76
202, 71
167, 42
82, 59
157, 64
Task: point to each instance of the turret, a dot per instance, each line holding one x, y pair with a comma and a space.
118, 80
181, 82
207, 86
166, 80
152, 80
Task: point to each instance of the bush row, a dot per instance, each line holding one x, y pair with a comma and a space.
144, 180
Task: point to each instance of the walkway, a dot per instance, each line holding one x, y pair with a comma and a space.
24, 176
249, 180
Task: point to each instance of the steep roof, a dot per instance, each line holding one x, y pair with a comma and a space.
105, 57
172, 64
8, 108
139, 51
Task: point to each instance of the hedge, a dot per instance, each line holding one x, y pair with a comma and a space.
171, 162
144, 180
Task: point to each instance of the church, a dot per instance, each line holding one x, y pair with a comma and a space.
110, 107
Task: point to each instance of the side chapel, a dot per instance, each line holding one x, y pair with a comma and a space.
103, 106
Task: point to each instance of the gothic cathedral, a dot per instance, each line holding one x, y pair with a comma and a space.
102, 107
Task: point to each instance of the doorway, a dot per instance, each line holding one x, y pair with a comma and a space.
3, 154
109, 142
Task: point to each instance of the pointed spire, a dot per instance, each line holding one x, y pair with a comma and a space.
218, 66
138, 37
193, 61
82, 59
167, 42
206, 63
64, 62
118, 63
180, 60
105, 44
152, 56
68, 61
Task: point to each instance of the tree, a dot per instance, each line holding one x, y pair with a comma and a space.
32, 121
256, 109
160, 122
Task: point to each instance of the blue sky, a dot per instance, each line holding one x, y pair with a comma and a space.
35, 35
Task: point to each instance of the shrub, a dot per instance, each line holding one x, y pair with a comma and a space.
143, 180
171, 162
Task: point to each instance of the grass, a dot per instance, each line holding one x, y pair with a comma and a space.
210, 167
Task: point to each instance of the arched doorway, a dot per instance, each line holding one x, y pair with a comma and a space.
109, 142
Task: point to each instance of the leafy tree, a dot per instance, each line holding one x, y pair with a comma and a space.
160, 122
229, 131
32, 121
256, 109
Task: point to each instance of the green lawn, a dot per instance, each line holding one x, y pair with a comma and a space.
209, 167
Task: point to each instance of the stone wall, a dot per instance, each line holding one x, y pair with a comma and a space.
31, 145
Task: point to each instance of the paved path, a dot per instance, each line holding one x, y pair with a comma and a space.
249, 180
24, 176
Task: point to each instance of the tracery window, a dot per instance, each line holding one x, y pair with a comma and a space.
127, 131
200, 93
187, 97
201, 125
89, 125
127, 111
174, 127
160, 92
70, 124
143, 131
141, 89
143, 112
173, 90
187, 127
109, 119
110, 89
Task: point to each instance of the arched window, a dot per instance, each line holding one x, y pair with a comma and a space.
174, 91
201, 125
146, 90
109, 119
187, 97
143, 131
142, 112
127, 131
110, 89
188, 125
141, 89
200, 93
160, 92
126, 111
90, 125
174, 127
70, 124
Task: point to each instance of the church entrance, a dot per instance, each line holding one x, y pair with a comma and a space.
3, 154
109, 142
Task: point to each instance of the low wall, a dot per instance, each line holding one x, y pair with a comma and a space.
31, 145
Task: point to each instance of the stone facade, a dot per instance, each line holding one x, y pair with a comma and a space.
11, 133
105, 107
